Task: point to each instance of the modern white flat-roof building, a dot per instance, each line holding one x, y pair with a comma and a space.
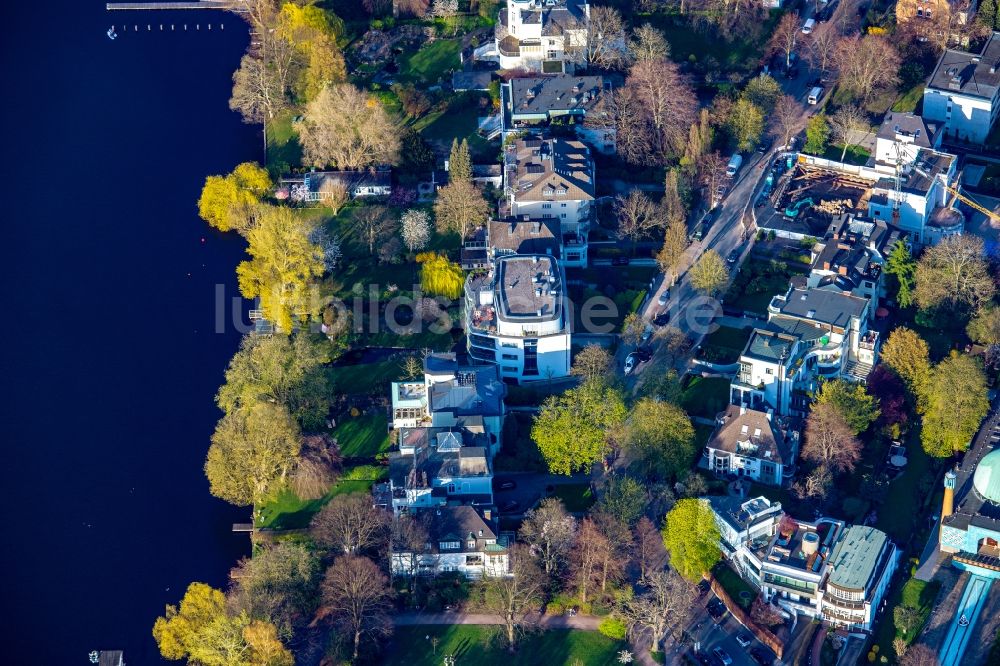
516, 317
963, 92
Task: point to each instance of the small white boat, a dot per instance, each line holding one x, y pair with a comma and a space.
111, 33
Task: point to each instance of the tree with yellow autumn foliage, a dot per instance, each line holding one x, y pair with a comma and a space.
439, 276
228, 202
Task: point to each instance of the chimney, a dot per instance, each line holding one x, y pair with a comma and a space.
487, 514
842, 270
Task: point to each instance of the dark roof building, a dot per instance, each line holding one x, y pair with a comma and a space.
476, 80
544, 97
971, 74
513, 236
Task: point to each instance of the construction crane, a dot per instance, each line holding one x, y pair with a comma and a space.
993, 217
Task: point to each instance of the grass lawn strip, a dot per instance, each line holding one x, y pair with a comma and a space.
472, 644
705, 396
577, 497
362, 436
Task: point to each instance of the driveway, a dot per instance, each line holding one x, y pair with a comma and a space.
530, 488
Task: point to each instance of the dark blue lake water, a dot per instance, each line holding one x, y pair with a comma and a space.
110, 357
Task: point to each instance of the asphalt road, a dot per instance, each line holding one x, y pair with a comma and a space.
709, 635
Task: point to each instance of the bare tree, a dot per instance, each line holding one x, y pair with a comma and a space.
815, 485
513, 596
667, 604
357, 597
785, 35
348, 129
675, 243
623, 112
867, 65
444, 9
350, 524
786, 118
585, 558
258, 94
606, 44
764, 613
637, 215
821, 48
611, 561
592, 361
415, 227
550, 532
920, 655
649, 551
829, 439
712, 169
317, 468
374, 224
633, 326
459, 207
668, 102
408, 536
333, 194
649, 44
847, 126
954, 273
329, 244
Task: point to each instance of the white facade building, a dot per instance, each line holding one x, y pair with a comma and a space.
434, 467
748, 444
461, 540
467, 398
552, 179
861, 569
745, 526
517, 318
542, 35
963, 93
812, 334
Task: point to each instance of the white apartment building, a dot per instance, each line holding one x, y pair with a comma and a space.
542, 35
516, 316
963, 92
746, 527
861, 568
468, 398
552, 179
795, 564
811, 334
461, 539
749, 444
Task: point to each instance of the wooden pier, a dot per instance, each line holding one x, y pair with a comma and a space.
229, 5
243, 527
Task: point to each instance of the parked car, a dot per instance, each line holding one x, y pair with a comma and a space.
761, 657
509, 507
733, 257
646, 335
703, 587
744, 639
664, 297
644, 354
808, 26
716, 609
735, 162
506, 484
630, 363
661, 319
620, 261
722, 656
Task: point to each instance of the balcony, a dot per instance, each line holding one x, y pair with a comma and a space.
869, 341
509, 47
483, 318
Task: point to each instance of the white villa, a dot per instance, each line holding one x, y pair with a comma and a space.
748, 443
461, 539
963, 92
542, 35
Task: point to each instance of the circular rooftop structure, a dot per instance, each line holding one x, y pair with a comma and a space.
987, 477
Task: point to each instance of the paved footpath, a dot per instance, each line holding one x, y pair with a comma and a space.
585, 622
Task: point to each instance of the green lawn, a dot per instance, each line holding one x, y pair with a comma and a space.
431, 62
855, 154
705, 396
362, 436
915, 593
724, 345
365, 379
757, 282
734, 585
290, 512
909, 100
897, 515
518, 453
457, 119
577, 497
283, 149
686, 41
410, 646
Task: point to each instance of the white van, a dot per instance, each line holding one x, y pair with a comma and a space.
735, 162
808, 26
815, 95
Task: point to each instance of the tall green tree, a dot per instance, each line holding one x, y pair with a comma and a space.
284, 268
691, 536
253, 450
287, 370
817, 134
625, 498
851, 401
460, 161
229, 202
745, 124
907, 354
903, 267
956, 402
205, 633
709, 274
985, 327
572, 430
662, 436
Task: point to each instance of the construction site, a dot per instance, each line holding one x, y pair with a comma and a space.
800, 199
